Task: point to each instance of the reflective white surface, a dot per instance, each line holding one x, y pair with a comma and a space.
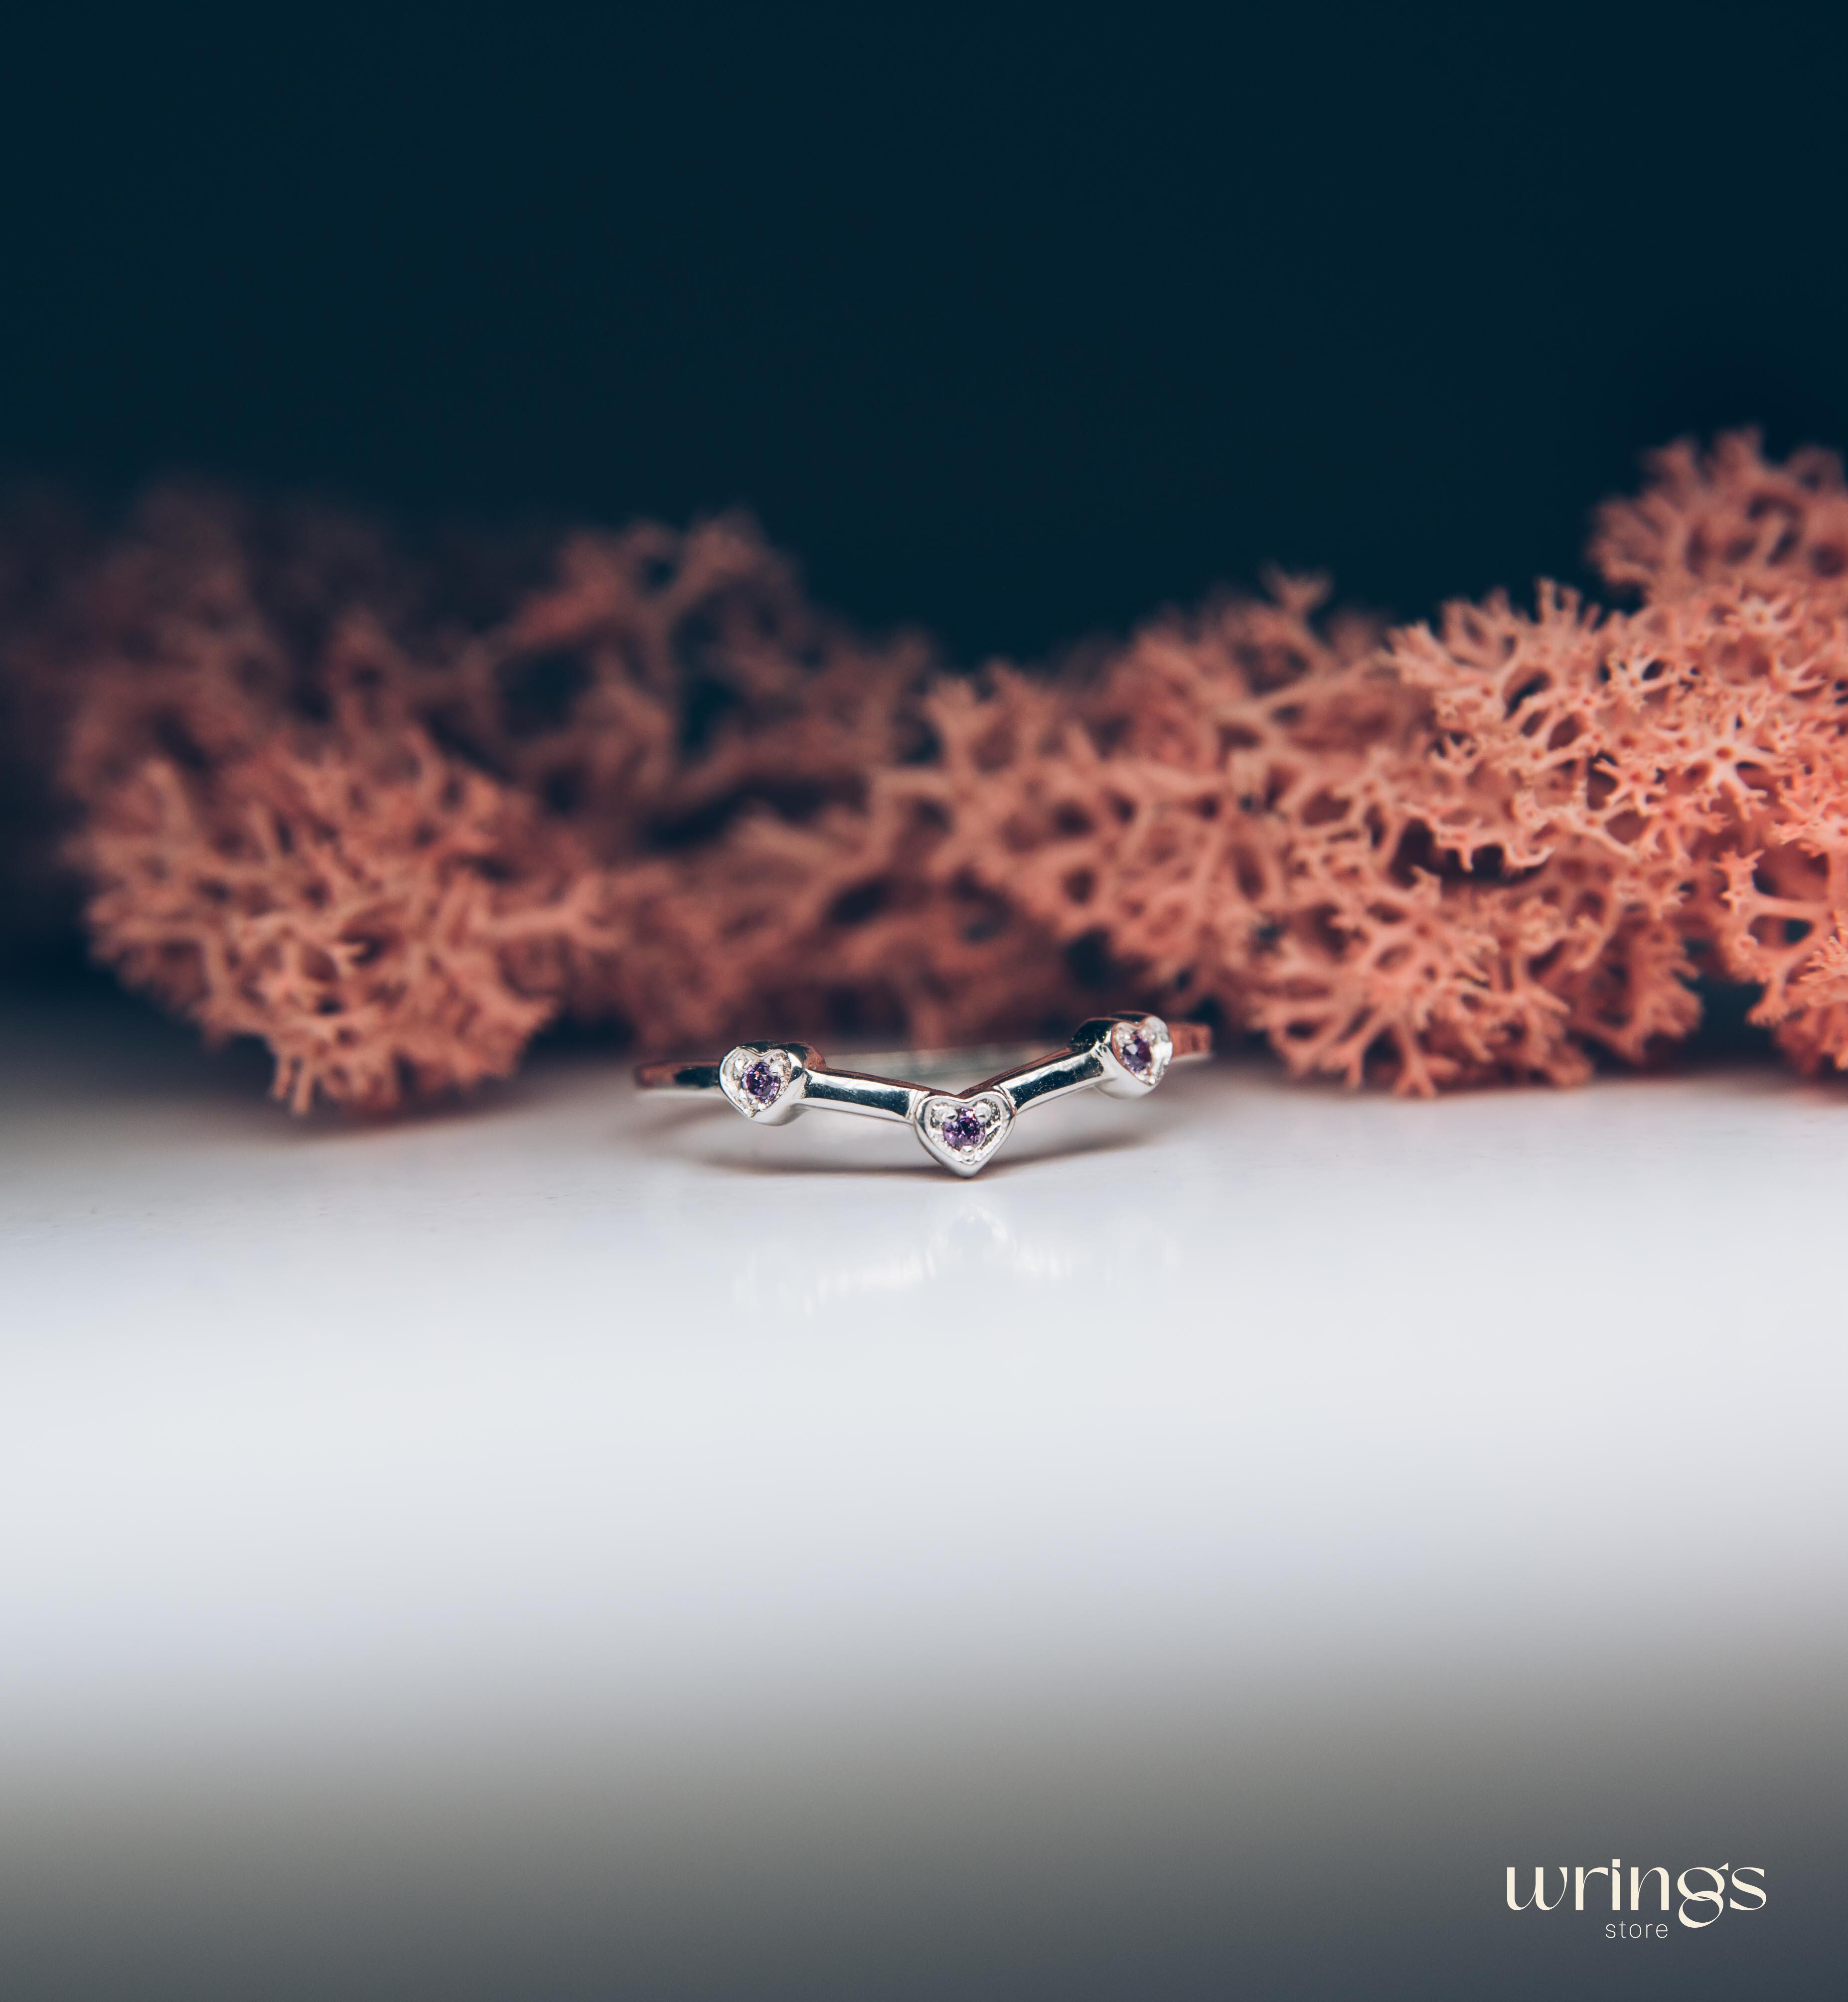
580, 1426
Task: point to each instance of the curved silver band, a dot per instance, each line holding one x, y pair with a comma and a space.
1124, 1055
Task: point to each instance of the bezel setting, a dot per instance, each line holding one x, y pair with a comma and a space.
963, 1133
1137, 1051
766, 1082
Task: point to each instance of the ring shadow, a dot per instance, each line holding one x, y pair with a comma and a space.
717, 1157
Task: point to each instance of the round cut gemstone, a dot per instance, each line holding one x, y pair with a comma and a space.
1136, 1055
963, 1130
761, 1082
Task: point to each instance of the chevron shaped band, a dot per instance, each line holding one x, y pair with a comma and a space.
1124, 1055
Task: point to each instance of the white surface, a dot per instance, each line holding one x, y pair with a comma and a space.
602, 1421
615, 1389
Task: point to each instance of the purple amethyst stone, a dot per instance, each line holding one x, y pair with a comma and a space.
1136, 1055
762, 1083
963, 1130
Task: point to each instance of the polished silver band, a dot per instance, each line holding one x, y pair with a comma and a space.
1125, 1056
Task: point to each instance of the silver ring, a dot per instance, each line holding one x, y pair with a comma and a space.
1124, 1056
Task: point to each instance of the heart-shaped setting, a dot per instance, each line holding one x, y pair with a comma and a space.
963, 1133
1142, 1047
757, 1078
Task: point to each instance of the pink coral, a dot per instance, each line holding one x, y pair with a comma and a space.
1693, 750
392, 808
351, 907
1251, 810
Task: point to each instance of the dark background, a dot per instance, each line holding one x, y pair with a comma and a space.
1015, 330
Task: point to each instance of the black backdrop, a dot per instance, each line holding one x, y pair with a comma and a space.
1017, 331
